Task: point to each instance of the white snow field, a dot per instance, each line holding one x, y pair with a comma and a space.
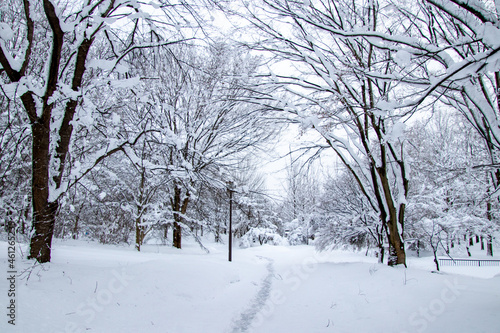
95, 288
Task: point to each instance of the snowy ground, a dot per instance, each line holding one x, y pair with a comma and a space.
94, 288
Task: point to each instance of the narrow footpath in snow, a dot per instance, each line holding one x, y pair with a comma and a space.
244, 322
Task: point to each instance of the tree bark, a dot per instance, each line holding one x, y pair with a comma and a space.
139, 234
44, 212
177, 236
397, 255
139, 229
179, 208
489, 246
165, 232
381, 252
75, 228
436, 260
489, 215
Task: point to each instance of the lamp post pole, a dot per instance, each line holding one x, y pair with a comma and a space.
230, 190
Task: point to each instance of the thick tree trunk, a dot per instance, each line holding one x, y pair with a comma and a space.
397, 255
489, 246
44, 212
179, 207
139, 234
381, 253
177, 236
43, 231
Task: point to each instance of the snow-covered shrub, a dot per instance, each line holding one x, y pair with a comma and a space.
260, 236
300, 230
296, 237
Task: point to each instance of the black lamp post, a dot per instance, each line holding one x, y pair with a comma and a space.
230, 190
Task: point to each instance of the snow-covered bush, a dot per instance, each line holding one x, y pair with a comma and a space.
302, 229
261, 236
296, 237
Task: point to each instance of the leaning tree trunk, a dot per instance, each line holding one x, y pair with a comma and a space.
436, 260
397, 255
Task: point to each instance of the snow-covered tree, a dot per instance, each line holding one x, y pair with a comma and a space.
347, 217
14, 168
194, 102
455, 43
448, 196
446, 51
300, 205
46, 55
338, 86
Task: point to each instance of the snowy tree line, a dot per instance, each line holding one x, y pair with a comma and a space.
123, 121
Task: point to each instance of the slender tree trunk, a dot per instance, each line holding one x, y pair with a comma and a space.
165, 232
217, 234
436, 261
489, 240
139, 229
23, 223
75, 228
